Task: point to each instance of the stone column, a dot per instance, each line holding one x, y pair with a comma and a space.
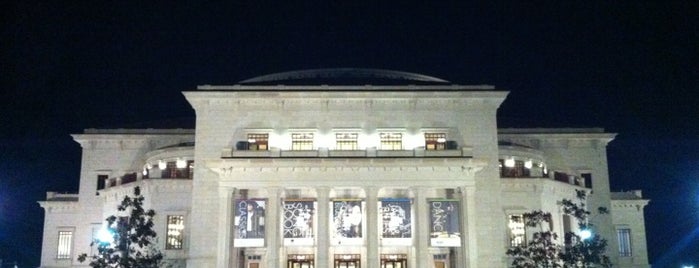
225, 223
272, 215
372, 227
422, 228
322, 234
468, 227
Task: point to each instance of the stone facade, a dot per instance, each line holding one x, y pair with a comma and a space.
338, 176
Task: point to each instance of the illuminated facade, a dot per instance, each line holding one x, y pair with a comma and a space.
341, 168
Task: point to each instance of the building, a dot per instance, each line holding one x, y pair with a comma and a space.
342, 168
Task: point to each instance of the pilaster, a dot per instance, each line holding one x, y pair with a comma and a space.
322, 243
372, 222
225, 258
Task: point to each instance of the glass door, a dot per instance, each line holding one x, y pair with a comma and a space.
347, 261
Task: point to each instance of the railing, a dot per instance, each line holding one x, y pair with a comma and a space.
324, 152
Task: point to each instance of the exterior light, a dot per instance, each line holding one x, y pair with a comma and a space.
181, 163
510, 162
162, 164
441, 140
251, 141
585, 234
145, 171
105, 236
528, 164
546, 171
149, 166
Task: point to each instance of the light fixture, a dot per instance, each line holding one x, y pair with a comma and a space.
585, 234
546, 171
510, 162
441, 140
181, 163
145, 171
251, 141
149, 165
528, 164
162, 164
105, 236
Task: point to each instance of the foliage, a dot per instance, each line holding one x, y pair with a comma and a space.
544, 251
133, 237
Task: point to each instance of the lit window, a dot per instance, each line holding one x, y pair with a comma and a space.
391, 141
435, 141
258, 141
301, 141
175, 229
346, 141
517, 234
510, 168
65, 243
624, 238
172, 171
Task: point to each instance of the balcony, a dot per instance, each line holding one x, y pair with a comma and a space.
464, 152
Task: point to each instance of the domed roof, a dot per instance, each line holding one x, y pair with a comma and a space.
344, 76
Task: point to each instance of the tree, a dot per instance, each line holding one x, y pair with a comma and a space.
133, 238
543, 250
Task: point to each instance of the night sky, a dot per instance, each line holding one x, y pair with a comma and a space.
629, 67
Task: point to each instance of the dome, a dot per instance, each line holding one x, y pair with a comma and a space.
344, 76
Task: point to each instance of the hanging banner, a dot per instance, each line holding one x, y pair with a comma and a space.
249, 223
444, 223
396, 221
298, 217
347, 221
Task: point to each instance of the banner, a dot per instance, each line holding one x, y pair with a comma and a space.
249, 222
347, 220
444, 223
395, 218
297, 221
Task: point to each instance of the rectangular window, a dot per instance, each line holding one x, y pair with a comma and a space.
65, 243
175, 229
510, 168
301, 141
435, 141
346, 141
391, 141
517, 233
258, 141
624, 238
101, 181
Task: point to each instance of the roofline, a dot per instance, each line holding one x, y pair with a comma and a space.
302, 88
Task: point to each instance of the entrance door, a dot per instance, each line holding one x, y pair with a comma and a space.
347, 264
394, 263
440, 264
299, 261
347, 261
300, 264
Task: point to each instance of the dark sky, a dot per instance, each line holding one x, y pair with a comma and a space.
630, 67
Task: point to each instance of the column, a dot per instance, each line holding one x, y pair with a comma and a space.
322, 235
372, 224
272, 218
422, 228
225, 221
468, 227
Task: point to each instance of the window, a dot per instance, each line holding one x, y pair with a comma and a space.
258, 141
517, 234
435, 141
346, 141
391, 141
172, 171
302, 141
65, 243
175, 228
101, 181
511, 168
624, 238
588, 179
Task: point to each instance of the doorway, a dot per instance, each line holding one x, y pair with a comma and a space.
394, 261
299, 261
347, 261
